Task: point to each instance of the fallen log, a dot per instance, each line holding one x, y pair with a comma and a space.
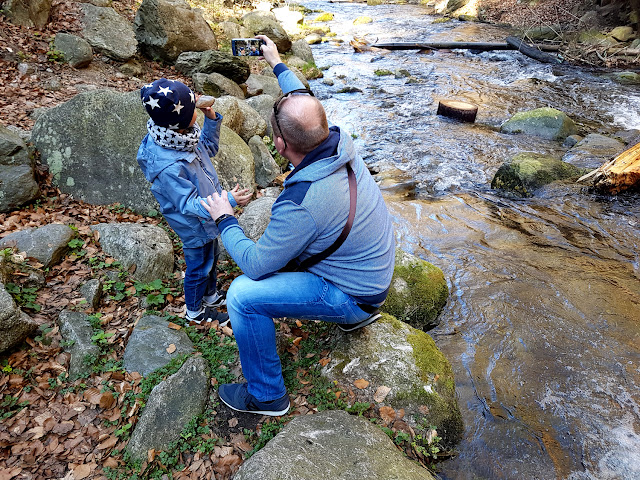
480, 46
620, 174
530, 51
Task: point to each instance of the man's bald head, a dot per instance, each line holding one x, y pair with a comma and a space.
302, 121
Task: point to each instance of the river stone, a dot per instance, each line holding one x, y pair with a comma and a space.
147, 346
331, 445
92, 292
90, 144
77, 332
17, 178
166, 28
266, 167
419, 376
622, 34
255, 217
172, 404
108, 32
213, 61
76, 50
216, 85
453, 5
324, 17
147, 248
528, 171
363, 20
15, 325
263, 104
47, 244
596, 39
300, 48
593, 150
418, 292
626, 78
268, 85
240, 117
28, 13
264, 23
542, 32
234, 161
544, 122
313, 39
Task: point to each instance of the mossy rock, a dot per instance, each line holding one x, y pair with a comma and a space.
395, 355
595, 38
544, 122
418, 291
528, 171
362, 20
374, 2
324, 17
625, 78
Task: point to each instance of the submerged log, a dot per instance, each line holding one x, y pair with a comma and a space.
620, 174
531, 52
465, 112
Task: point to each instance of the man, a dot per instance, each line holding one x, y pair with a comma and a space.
309, 215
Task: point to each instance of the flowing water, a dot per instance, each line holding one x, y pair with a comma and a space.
542, 326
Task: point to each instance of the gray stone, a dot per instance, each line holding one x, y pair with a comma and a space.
622, 34
255, 217
230, 29
172, 404
147, 248
213, 61
626, 77
47, 244
590, 20
100, 3
453, 5
528, 171
234, 161
77, 51
266, 167
330, 445
17, 182
263, 23
240, 117
544, 122
77, 332
596, 39
313, 39
147, 346
268, 85
90, 144
15, 325
132, 68
418, 292
542, 32
272, 192
571, 140
108, 32
301, 48
28, 13
593, 150
216, 85
263, 104
313, 73
92, 292
25, 135
166, 28
392, 354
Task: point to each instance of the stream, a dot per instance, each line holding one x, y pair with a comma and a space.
542, 326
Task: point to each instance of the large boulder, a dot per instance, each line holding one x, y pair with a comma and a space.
332, 445
76, 50
593, 150
268, 84
301, 48
28, 13
418, 292
416, 375
240, 117
15, 325
544, 122
213, 61
234, 161
172, 404
17, 182
90, 144
108, 32
144, 249
623, 34
266, 167
255, 217
47, 244
528, 171
453, 5
542, 32
265, 23
147, 346
233, 30
77, 332
216, 85
166, 28
263, 104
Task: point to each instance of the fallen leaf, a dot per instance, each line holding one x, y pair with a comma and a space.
107, 400
151, 454
387, 414
174, 326
381, 393
324, 361
171, 348
233, 422
108, 443
361, 383
423, 409
83, 471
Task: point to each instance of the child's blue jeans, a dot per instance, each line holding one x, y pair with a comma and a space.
252, 305
200, 277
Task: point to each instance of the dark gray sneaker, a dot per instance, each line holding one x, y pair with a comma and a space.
351, 327
220, 300
206, 315
237, 397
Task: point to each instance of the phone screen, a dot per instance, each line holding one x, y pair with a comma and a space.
246, 47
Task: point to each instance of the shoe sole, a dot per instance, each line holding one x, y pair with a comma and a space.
364, 323
223, 303
270, 413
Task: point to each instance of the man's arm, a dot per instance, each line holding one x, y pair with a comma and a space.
286, 78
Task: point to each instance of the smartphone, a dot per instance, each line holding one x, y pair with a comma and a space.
246, 47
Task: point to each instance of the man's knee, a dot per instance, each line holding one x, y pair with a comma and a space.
239, 291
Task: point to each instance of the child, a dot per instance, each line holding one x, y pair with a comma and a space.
175, 156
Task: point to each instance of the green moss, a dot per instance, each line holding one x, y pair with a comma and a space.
442, 20
382, 73
324, 17
431, 361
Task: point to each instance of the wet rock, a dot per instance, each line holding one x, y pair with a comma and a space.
15, 325
402, 73
269, 85
625, 78
325, 445
17, 178
166, 28
263, 104
266, 167
349, 90
145, 250
77, 332
313, 39
265, 23
92, 292
571, 140
418, 292
418, 375
240, 117
593, 150
107, 32
362, 20
544, 122
328, 81
629, 137
622, 34
234, 161
216, 85
147, 346
28, 13
301, 48
324, 17
77, 51
172, 404
255, 217
453, 5
526, 172
47, 244
467, 18
213, 61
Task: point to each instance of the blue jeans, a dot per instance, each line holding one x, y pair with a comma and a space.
253, 304
201, 275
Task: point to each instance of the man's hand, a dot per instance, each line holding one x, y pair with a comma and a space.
269, 51
241, 197
217, 205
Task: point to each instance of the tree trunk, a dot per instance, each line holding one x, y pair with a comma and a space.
465, 112
620, 174
530, 51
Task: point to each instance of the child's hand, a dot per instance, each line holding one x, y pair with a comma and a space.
241, 197
209, 112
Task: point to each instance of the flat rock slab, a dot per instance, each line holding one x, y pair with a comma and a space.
108, 32
15, 325
47, 244
593, 150
77, 331
147, 346
330, 445
544, 122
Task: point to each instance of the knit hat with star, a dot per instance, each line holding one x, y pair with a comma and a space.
169, 103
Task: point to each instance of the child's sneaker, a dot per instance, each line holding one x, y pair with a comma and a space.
237, 397
219, 300
206, 315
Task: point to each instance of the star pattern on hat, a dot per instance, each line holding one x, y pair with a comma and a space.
177, 107
165, 91
148, 85
153, 102
193, 99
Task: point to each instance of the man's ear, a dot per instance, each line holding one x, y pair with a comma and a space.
279, 144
